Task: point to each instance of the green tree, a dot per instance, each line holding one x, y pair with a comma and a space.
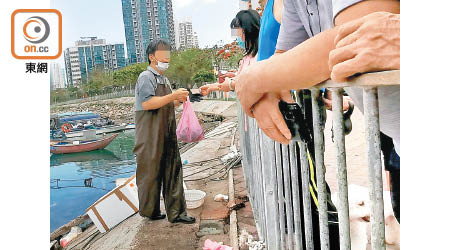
233, 61
58, 95
185, 64
204, 76
73, 92
128, 75
97, 81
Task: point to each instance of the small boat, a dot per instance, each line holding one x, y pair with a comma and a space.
66, 147
76, 116
131, 126
98, 131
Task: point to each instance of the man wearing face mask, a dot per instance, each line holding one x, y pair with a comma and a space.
156, 148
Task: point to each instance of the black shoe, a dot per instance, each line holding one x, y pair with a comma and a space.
184, 219
158, 217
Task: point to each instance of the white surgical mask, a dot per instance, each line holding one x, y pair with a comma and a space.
162, 66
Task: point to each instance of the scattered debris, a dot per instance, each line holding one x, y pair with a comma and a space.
221, 197
237, 203
82, 221
246, 242
74, 232
237, 206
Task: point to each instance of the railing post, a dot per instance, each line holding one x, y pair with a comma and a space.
319, 147
256, 172
281, 200
296, 197
268, 171
372, 125
339, 143
306, 196
288, 197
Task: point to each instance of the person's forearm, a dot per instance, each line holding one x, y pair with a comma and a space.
301, 67
307, 64
157, 102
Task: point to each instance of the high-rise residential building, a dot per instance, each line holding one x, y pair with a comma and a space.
56, 76
62, 72
177, 33
195, 40
145, 20
86, 56
186, 35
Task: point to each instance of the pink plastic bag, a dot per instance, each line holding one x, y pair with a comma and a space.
212, 245
189, 129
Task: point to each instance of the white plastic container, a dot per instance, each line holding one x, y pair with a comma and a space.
114, 207
194, 198
74, 232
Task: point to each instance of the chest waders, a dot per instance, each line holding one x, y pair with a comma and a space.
158, 160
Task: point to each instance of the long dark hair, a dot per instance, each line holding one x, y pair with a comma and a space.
248, 20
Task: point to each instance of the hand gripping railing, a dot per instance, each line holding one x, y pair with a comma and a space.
272, 173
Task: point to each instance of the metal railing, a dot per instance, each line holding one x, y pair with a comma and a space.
271, 172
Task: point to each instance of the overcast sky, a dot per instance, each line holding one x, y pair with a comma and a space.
103, 18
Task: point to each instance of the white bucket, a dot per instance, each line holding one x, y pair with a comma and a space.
194, 198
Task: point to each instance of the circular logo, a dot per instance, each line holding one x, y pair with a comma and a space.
36, 29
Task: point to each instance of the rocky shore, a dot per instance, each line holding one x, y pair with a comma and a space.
118, 111
121, 110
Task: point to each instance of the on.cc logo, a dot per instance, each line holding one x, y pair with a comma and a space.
36, 29
36, 34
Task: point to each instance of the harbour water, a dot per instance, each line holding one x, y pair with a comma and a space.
71, 190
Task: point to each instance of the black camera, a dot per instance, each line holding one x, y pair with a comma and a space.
294, 116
